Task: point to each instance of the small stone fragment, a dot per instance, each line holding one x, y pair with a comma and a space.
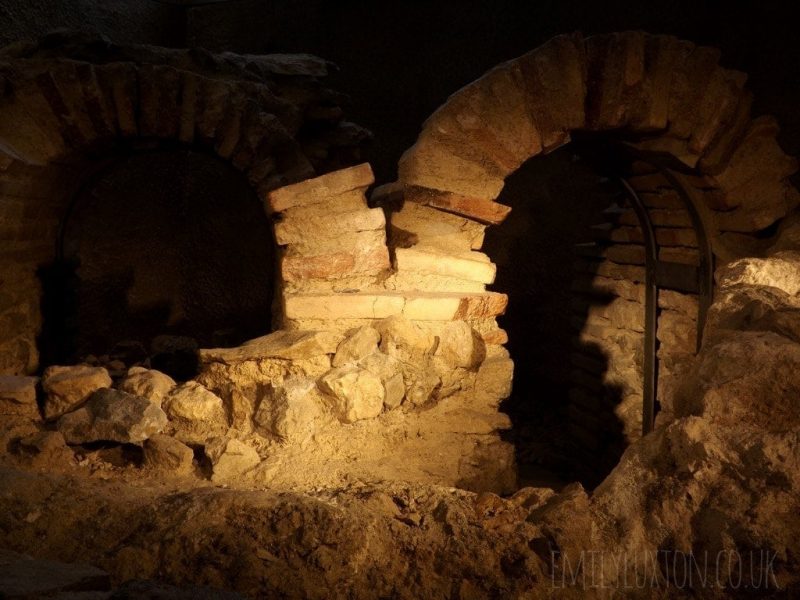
395, 390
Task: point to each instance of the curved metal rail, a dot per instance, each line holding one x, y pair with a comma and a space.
668, 275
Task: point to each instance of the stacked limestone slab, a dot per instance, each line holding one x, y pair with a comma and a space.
336, 269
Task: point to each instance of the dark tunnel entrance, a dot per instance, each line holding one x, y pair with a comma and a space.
566, 396
168, 247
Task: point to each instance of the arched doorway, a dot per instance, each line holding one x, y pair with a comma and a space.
652, 94
164, 242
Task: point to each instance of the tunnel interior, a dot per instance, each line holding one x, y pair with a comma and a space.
558, 200
165, 246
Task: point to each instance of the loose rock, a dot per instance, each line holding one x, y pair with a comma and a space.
460, 346
112, 415
18, 397
148, 383
45, 449
196, 413
165, 453
68, 387
356, 393
362, 342
292, 411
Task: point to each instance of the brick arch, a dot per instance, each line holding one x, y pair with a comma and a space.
70, 102
656, 92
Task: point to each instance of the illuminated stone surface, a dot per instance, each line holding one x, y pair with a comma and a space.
148, 383
196, 413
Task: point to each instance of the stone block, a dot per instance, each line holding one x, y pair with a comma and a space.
616, 64
488, 121
758, 156
690, 79
45, 449
781, 271
355, 393
424, 306
68, 387
291, 411
165, 453
100, 108
118, 82
416, 224
716, 108
478, 208
721, 149
360, 343
555, 81
62, 87
320, 188
148, 383
286, 345
196, 414
230, 459
472, 266
30, 130
335, 265
429, 164
460, 346
305, 230
111, 415
650, 110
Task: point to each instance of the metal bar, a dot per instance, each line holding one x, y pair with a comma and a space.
706, 271
651, 309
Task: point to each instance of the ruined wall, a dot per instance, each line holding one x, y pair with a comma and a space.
385, 322
70, 102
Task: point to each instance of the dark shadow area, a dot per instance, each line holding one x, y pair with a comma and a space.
564, 427
161, 253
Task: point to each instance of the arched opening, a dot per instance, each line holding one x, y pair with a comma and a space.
608, 288
167, 242
556, 200
712, 186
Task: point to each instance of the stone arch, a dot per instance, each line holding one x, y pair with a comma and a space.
668, 94
658, 94
71, 102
